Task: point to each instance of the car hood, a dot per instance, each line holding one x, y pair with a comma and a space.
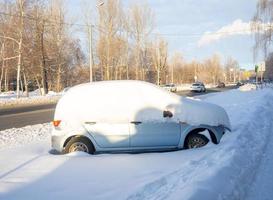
196, 112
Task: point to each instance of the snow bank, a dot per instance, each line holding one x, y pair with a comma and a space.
9, 100
247, 87
21, 136
231, 168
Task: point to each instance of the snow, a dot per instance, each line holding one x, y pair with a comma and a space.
223, 171
9, 100
247, 87
262, 186
21, 136
132, 101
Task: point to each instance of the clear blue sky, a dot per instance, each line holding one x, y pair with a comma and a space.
183, 23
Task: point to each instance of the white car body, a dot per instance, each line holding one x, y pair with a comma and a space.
129, 116
170, 87
198, 87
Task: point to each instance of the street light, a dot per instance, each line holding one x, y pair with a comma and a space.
90, 35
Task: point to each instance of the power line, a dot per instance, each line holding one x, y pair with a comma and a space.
155, 34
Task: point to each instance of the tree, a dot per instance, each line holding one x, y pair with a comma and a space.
21, 10
159, 56
141, 25
262, 26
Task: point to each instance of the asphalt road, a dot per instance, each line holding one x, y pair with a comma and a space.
23, 116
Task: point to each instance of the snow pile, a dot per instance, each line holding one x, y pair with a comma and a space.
9, 100
236, 160
22, 136
247, 87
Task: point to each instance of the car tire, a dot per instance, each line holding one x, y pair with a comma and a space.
195, 140
79, 144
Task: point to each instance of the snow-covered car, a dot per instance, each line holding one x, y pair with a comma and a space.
170, 87
221, 85
198, 87
133, 116
65, 89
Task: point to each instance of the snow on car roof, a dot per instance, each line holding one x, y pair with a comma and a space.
123, 101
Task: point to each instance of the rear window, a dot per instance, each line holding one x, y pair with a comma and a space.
196, 84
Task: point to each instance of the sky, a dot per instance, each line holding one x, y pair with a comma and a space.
199, 28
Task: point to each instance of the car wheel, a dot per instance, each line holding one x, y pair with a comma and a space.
196, 140
79, 144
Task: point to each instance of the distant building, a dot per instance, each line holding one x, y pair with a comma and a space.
268, 74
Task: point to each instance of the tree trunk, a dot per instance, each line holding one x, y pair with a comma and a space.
21, 85
39, 85
6, 81
43, 64
108, 59
20, 44
2, 75
19, 68
137, 62
25, 84
158, 77
58, 84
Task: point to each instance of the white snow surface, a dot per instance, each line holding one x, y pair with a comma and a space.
8, 99
133, 101
247, 87
224, 171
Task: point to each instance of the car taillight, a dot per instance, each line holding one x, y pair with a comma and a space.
56, 123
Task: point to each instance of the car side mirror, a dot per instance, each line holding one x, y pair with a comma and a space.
167, 113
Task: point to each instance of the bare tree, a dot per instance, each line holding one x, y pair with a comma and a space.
263, 26
141, 25
160, 54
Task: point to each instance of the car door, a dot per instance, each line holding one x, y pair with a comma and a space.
109, 135
154, 134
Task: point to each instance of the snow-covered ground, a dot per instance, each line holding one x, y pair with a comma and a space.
9, 100
229, 170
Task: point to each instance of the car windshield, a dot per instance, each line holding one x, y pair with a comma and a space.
196, 84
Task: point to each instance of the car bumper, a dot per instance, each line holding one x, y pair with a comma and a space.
196, 89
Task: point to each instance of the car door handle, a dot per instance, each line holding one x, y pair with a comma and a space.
136, 122
90, 123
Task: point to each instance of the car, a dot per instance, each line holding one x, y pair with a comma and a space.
65, 89
221, 85
239, 84
170, 87
133, 116
198, 87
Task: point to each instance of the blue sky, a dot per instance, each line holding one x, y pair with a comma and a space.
183, 23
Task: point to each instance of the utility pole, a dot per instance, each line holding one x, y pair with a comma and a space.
90, 52
172, 72
234, 75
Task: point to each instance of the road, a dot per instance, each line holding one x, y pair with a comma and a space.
23, 116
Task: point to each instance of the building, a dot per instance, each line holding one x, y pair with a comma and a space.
268, 74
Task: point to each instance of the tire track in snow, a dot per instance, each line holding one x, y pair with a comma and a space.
162, 187
165, 186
